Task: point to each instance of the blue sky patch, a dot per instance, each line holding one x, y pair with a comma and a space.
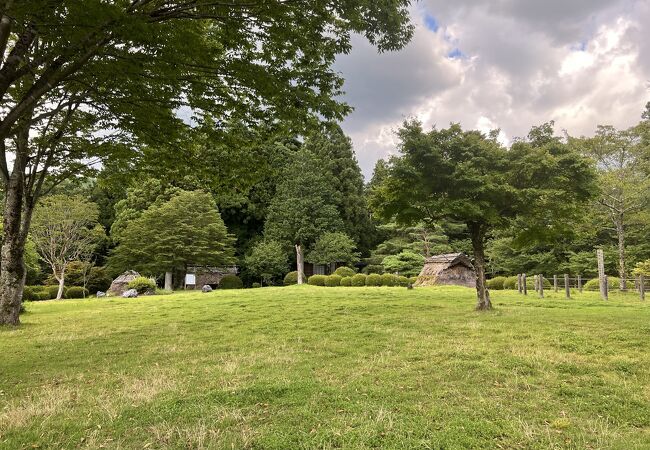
431, 23
455, 54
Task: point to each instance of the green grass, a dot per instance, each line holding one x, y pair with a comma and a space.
309, 367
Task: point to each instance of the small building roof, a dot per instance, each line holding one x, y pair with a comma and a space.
450, 260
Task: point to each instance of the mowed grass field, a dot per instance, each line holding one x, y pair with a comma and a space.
308, 367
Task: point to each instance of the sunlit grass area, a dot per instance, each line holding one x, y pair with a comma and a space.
310, 367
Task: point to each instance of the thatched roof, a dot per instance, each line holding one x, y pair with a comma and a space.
449, 260
126, 277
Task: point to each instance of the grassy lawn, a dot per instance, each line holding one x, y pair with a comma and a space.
307, 367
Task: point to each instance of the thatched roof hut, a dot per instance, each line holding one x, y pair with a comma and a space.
120, 284
449, 269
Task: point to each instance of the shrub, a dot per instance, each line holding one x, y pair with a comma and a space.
291, 278
44, 295
510, 283
76, 292
231, 282
256, 285
373, 280
142, 285
317, 280
164, 291
388, 279
53, 290
402, 281
29, 293
495, 283
412, 280
333, 280
346, 281
344, 272
359, 279
594, 284
373, 268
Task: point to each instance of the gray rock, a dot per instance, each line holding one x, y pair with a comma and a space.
206, 288
131, 293
101, 294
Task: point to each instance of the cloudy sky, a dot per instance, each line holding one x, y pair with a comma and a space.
508, 64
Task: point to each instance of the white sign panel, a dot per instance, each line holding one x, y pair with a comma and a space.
190, 278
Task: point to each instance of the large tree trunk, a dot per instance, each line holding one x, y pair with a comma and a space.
478, 243
300, 264
12, 266
620, 231
168, 281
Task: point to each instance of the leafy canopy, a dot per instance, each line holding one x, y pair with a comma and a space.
334, 247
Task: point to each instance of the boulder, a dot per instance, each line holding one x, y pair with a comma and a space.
206, 288
131, 293
101, 294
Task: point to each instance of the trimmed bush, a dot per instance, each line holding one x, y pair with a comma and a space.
53, 290
346, 281
510, 283
333, 280
256, 285
44, 295
412, 280
496, 283
142, 285
359, 280
402, 281
612, 283
29, 294
344, 272
231, 282
373, 268
291, 278
388, 279
373, 279
317, 280
76, 292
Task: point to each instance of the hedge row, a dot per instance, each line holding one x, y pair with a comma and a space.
38, 293
360, 279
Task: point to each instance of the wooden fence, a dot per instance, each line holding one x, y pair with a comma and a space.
566, 283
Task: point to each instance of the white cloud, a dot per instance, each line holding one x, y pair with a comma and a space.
509, 64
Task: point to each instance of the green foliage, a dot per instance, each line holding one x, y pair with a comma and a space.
413, 280
76, 292
407, 263
256, 285
186, 230
402, 281
333, 247
231, 282
642, 268
359, 279
373, 279
304, 206
163, 291
347, 281
53, 290
142, 285
45, 295
96, 278
333, 281
373, 268
594, 284
345, 272
496, 283
388, 279
291, 278
30, 293
317, 280
267, 260
510, 283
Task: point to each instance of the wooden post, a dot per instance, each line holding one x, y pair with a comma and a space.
540, 282
567, 286
523, 280
606, 287
580, 283
555, 283
519, 283
536, 283
642, 286
602, 278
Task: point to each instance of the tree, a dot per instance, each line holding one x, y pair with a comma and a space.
407, 262
462, 176
335, 149
70, 69
304, 206
624, 180
267, 260
65, 229
334, 247
185, 230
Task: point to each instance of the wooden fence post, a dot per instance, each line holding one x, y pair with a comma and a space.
642, 286
580, 283
519, 283
602, 278
605, 287
523, 280
540, 282
554, 283
567, 286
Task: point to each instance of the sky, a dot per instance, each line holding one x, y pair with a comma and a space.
502, 64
